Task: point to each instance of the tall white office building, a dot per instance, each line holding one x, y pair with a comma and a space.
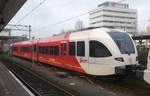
114, 15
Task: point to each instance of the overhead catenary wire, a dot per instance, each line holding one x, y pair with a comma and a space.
36, 7
17, 24
62, 21
29, 13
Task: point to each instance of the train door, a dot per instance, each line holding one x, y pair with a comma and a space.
64, 53
99, 57
63, 49
82, 54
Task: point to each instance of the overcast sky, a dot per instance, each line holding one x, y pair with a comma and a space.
53, 11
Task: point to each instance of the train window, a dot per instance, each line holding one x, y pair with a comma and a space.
80, 48
44, 49
56, 50
14, 48
72, 49
63, 49
123, 41
51, 48
97, 49
25, 49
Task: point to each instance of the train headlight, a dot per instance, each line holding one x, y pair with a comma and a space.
119, 59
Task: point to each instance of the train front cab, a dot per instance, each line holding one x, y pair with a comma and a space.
127, 50
147, 71
105, 56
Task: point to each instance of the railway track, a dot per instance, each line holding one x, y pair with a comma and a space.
130, 86
37, 85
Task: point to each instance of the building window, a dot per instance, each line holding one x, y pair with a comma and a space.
72, 48
97, 49
124, 17
81, 48
119, 11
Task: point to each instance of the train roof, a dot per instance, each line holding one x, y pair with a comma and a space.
79, 34
22, 43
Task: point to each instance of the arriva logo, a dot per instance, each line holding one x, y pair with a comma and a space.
82, 60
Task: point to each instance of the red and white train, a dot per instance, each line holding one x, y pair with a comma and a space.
98, 51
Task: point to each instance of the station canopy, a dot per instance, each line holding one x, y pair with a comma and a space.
8, 8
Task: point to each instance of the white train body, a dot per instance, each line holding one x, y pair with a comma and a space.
147, 71
118, 50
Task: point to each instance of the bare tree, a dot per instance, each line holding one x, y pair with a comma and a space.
79, 25
62, 32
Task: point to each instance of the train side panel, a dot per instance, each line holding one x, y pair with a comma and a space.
14, 50
63, 59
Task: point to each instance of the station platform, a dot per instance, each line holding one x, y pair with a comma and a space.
9, 85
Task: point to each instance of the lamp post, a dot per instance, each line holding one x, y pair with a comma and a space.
148, 31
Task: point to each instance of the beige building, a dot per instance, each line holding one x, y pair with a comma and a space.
114, 15
148, 30
148, 41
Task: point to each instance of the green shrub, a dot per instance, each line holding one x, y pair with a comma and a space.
143, 57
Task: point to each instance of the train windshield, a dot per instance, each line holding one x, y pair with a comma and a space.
123, 41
